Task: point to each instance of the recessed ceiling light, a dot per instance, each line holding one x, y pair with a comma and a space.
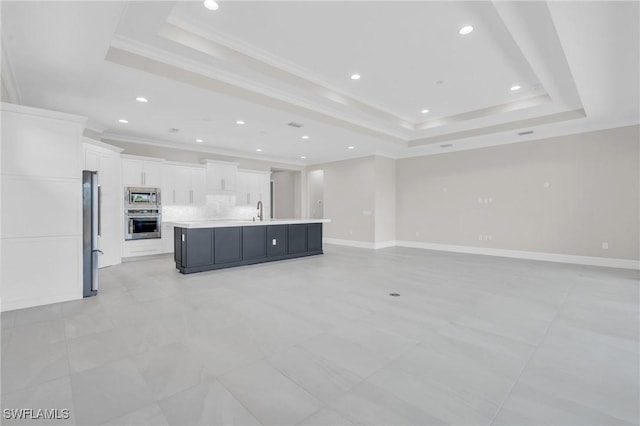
303, 157
351, 147
355, 76
515, 88
467, 29
305, 137
122, 120
142, 99
258, 149
199, 140
239, 122
424, 111
211, 4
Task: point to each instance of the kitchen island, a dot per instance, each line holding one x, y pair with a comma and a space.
207, 245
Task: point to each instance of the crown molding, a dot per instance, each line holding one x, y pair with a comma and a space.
121, 47
199, 148
39, 112
488, 141
263, 57
497, 128
9, 77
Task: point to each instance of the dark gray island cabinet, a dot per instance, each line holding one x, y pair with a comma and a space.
199, 247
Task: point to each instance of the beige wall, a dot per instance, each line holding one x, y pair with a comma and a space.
315, 181
593, 196
284, 194
348, 196
359, 196
385, 199
4, 94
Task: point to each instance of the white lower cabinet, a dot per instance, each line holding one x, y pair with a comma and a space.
167, 238
142, 247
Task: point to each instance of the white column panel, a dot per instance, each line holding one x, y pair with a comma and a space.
39, 271
40, 146
41, 207
41, 191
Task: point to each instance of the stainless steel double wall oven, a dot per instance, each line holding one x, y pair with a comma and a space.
142, 213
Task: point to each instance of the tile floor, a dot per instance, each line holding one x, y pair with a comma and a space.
318, 341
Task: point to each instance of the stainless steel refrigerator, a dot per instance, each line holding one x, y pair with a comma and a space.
90, 232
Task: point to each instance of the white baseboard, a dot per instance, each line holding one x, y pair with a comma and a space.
349, 243
10, 305
384, 244
517, 254
531, 255
360, 244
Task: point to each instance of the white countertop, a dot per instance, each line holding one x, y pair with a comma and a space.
225, 223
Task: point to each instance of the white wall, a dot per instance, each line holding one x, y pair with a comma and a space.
41, 198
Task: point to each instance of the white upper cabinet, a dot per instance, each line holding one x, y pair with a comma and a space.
198, 179
220, 177
253, 186
182, 184
140, 171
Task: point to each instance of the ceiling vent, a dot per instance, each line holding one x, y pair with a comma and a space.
294, 124
528, 132
173, 130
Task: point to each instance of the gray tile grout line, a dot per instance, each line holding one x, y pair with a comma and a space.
537, 347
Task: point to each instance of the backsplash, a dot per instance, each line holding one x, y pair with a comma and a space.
217, 207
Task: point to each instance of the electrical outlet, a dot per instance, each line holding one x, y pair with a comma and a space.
546, 184
605, 246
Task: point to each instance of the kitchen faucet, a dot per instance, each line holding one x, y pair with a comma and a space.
259, 208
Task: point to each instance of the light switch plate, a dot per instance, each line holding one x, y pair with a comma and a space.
273, 242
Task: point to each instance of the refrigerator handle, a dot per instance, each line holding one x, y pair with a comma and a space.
99, 210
